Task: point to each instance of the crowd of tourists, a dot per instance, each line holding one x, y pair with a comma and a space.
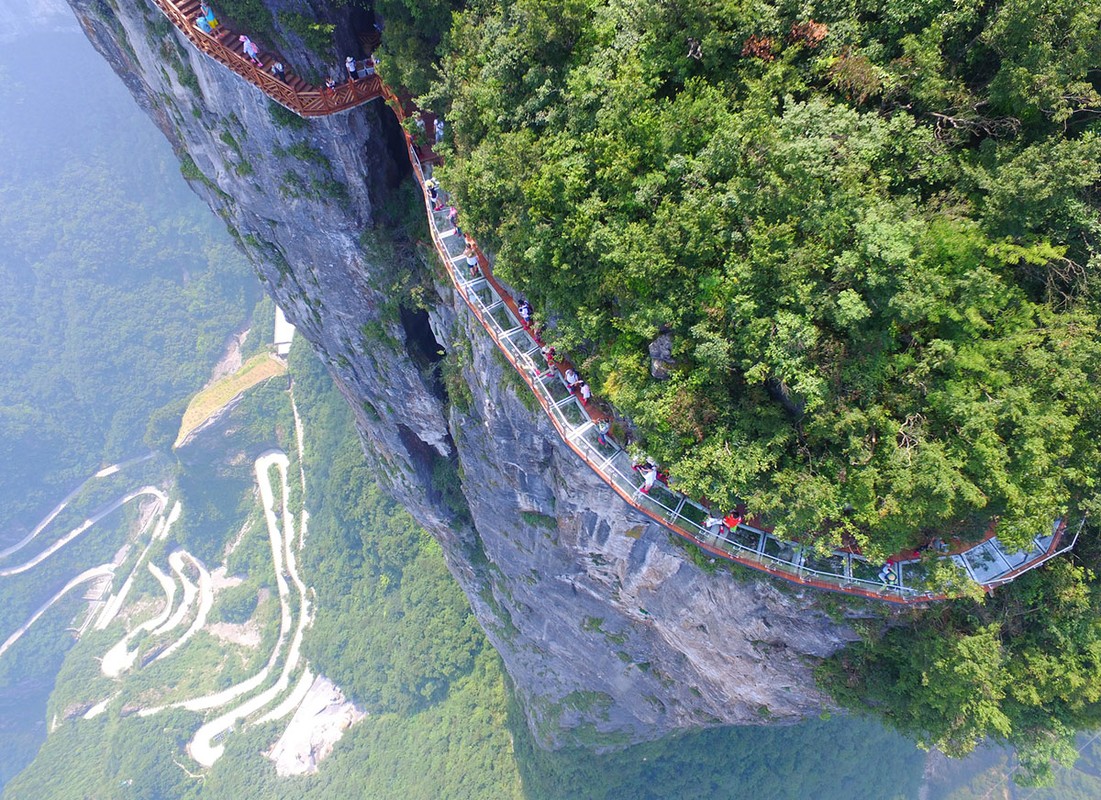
354, 69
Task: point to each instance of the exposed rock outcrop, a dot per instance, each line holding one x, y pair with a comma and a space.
319, 723
661, 356
609, 631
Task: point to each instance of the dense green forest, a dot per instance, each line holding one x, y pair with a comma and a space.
988, 775
394, 630
1024, 667
869, 232
120, 287
868, 228
119, 290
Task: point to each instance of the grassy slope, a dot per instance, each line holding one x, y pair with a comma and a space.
223, 391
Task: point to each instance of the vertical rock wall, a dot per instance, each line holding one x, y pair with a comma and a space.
608, 630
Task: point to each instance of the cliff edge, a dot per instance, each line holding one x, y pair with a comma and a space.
609, 631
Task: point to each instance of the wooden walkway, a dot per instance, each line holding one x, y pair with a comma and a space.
293, 93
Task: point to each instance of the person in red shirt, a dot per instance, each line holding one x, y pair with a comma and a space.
731, 522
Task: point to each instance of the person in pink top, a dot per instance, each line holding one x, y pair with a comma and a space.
251, 50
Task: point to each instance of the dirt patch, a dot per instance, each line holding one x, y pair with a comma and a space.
245, 635
220, 580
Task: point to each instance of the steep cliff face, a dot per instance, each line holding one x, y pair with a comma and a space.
610, 634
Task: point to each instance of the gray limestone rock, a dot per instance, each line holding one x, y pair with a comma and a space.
661, 356
608, 629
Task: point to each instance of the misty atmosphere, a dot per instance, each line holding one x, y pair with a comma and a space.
378, 541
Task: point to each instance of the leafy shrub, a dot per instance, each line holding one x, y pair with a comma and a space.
318, 36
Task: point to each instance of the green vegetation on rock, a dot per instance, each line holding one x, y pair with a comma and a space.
1024, 668
837, 262
879, 308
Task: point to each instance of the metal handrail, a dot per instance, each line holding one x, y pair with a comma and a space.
792, 570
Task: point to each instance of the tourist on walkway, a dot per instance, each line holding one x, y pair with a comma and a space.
731, 522
585, 391
350, 65
439, 130
550, 356
433, 187
472, 261
525, 311
649, 474
208, 14
453, 219
203, 24
251, 50
278, 72
572, 379
602, 428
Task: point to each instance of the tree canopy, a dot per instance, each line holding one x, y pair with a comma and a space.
869, 229
1023, 668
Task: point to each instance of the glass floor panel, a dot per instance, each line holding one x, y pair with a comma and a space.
485, 294
455, 246
664, 496
782, 551
914, 574
573, 414
619, 468
652, 505
1015, 559
602, 449
745, 538
517, 352
985, 562
1044, 542
693, 513
503, 318
831, 565
556, 389
864, 571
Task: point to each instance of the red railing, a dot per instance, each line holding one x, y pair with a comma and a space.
311, 101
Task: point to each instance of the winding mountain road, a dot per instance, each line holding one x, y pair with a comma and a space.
202, 747
103, 570
46, 520
120, 657
206, 599
84, 526
114, 603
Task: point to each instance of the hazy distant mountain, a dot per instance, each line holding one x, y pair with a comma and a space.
20, 17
